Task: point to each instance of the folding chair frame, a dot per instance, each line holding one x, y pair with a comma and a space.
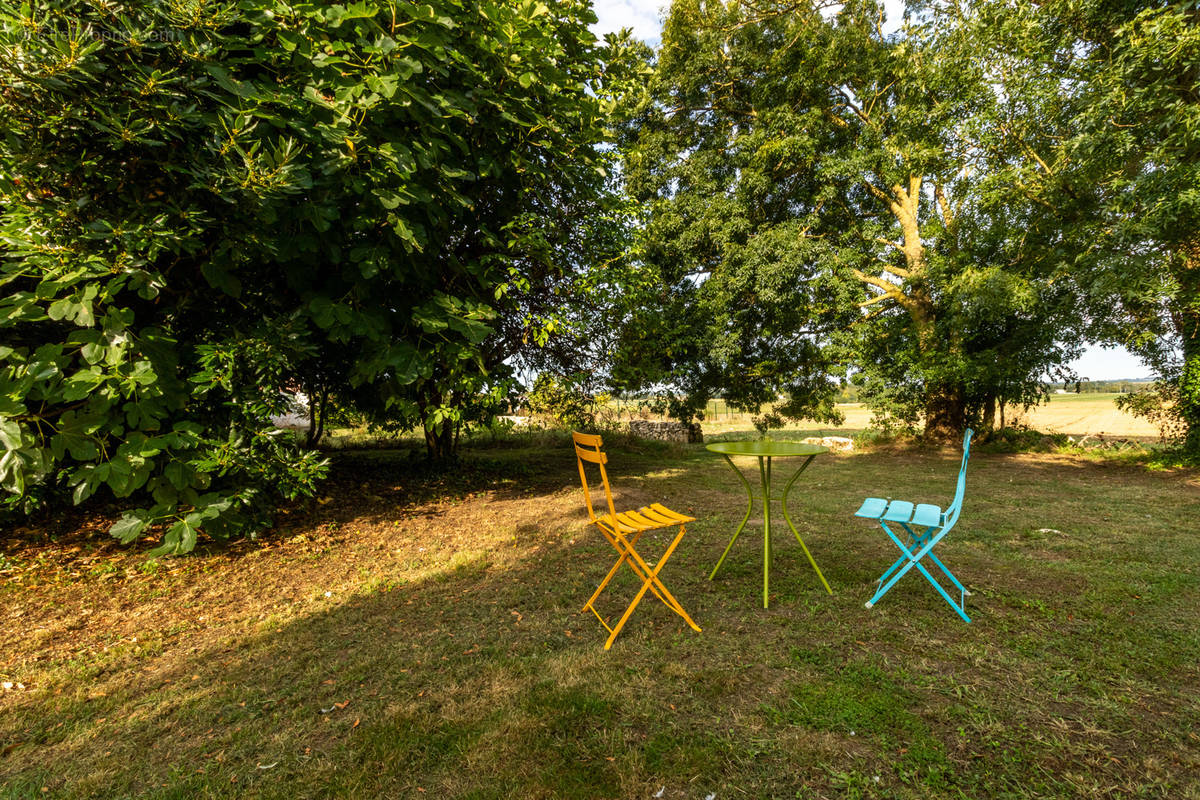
623, 532
924, 544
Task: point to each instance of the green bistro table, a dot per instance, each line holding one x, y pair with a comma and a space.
764, 450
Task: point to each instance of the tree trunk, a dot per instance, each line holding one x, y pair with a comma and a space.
1187, 323
439, 441
441, 438
945, 414
988, 423
318, 404
1189, 395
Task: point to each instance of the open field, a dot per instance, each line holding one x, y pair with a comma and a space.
415, 635
1082, 414
1074, 414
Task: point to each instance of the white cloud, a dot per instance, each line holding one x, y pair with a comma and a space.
643, 16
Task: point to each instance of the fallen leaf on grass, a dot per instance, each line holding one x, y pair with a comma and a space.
268, 766
355, 725
335, 707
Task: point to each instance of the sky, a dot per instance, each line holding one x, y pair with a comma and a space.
645, 18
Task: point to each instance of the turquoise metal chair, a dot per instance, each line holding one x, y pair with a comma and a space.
925, 525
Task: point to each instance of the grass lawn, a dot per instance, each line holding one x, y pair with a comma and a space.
409, 635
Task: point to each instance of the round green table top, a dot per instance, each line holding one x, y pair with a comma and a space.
766, 447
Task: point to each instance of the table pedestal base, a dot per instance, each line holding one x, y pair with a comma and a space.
764, 471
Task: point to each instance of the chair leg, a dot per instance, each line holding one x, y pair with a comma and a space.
919, 540
650, 582
617, 544
911, 559
915, 542
625, 617
956, 606
604, 582
656, 584
949, 575
669, 599
904, 563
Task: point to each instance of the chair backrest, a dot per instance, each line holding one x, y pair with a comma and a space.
587, 448
956, 506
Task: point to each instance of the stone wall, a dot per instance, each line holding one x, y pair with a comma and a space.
834, 443
669, 431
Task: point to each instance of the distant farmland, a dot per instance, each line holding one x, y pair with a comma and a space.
1078, 414
1074, 414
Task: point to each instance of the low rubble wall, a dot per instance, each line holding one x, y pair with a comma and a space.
668, 431
834, 443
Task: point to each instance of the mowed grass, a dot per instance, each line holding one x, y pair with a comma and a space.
415, 635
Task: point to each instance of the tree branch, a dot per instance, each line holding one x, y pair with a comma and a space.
890, 243
944, 205
888, 287
858, 112
1029, 151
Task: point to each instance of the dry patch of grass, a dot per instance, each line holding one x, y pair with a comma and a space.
417, 635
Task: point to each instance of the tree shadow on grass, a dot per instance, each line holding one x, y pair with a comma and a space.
483, 679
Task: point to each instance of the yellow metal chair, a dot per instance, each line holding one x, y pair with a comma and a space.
623, 531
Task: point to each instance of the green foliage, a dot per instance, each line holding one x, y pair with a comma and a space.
203, 207
1159, 405
563, 402
814, 204
1101, 98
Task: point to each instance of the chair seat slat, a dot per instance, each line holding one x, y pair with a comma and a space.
655, 517
927, 515
671, 515
898, 511
637, 520
872, 508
